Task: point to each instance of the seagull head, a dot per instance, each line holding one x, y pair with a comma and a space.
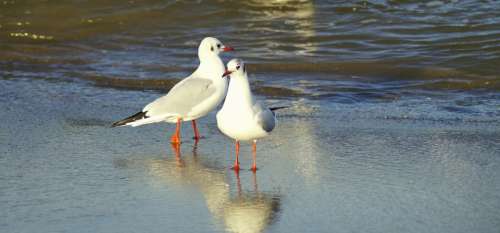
236, 67
212, 46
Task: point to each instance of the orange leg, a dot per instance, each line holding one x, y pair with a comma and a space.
236, 166
254, 155
176, 137
195, 129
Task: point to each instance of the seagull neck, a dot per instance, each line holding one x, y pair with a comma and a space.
239, 92
211, 65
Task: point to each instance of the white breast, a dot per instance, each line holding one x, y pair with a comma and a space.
237, 118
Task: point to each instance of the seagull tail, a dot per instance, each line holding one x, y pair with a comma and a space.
138, 116
278, 108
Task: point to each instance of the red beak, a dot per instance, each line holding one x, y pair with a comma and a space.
227, 73
227, 49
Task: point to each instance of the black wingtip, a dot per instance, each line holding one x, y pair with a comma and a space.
137, 116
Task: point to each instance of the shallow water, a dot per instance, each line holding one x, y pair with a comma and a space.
371, 167
394, 124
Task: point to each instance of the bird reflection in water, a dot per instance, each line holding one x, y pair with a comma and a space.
239, 210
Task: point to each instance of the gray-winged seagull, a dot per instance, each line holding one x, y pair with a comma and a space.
242, 117
191, 98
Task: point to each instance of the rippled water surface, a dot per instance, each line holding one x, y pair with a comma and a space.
402, 45
394, 123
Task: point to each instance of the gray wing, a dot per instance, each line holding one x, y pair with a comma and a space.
182, 98
265, 117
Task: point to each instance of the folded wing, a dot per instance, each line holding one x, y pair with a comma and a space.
181, 99
265, 117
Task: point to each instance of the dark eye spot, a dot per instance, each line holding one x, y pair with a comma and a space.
212, 48
237, 67
218, 46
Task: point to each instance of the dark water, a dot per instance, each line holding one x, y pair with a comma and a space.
394, 124
401, 46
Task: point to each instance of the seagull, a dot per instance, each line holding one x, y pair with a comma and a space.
191, 98
242, 117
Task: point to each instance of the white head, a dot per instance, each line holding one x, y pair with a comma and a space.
235, 67
210, 47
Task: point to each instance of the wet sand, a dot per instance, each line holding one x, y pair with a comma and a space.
328, 167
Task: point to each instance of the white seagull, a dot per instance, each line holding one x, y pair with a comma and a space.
242, 117
191, 98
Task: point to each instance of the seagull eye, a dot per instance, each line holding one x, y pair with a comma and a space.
237, 67
218, 46
212, 48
